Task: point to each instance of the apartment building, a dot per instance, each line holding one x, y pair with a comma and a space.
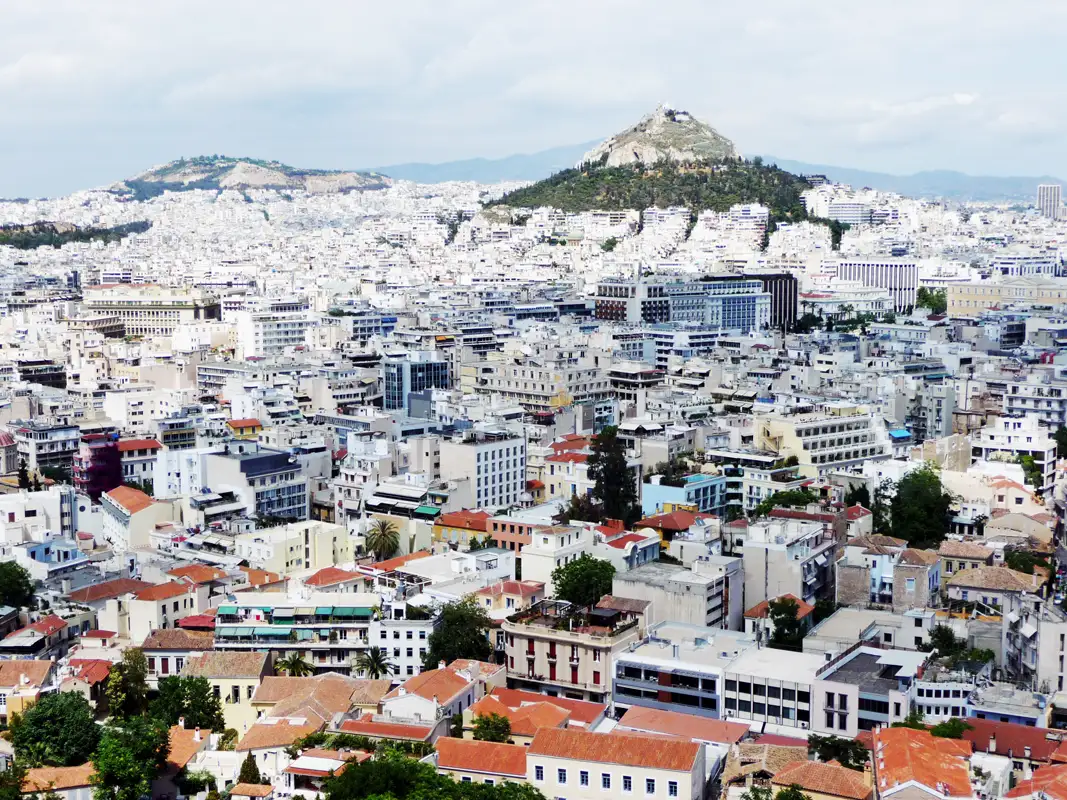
546, 381
899, 276
580, 764
787, 556
148, 310
413, 372
709, 592
295, 547
704, 493
547, 653
553, 547
494, 461
262, 333
43, 443
269, 482
1009, 438
840, 436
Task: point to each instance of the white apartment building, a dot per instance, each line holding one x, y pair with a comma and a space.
149, 310
266, 333
787, 556
550, 548
42, 443
708, 593
899, 276
495, 462
1008, 438
545, 383
1050, 200
295, 547
840, 436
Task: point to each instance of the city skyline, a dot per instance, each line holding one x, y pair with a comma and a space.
94, 97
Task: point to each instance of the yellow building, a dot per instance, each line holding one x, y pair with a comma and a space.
837, 435
459, 527
971, 299
245, 428
234, 677
297, 546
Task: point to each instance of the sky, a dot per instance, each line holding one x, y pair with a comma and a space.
91, 93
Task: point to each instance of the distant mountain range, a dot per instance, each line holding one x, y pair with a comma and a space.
535, 166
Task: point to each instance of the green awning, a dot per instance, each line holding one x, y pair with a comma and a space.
341, 611
324, 611
273, 630
431, 511
305, 635
324, 631
225, 630
227, 609
243, 631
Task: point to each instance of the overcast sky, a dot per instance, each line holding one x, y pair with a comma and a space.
94, 92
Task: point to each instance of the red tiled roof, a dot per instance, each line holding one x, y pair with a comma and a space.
98, 634
444, 684
525, 720
493, 758
259, 577
674, 521
328, 576
91, 670
674, 723
519, 588
57, 779
582, 711
568, 458
857, 512
244, 423
392, 563
108, 590
762, 610
133, 500
470, 520
165, 591
620, 542
905, 754
623, 749
198, 573
571, 441
367, 726
126, 445
251, 790
48, 625
823, 779
197, 621
1051, 782
1010, 736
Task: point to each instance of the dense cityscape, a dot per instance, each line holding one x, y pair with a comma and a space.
674, 474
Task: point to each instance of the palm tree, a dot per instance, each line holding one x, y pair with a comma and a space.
293, 665
374, 663
382, 539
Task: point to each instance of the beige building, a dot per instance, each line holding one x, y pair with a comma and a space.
149, 310
234, 678
971, 299
579, 765
21, 682
139, 613
296, 546
838, 436
468, 761
130, 517
550, 380
958, 556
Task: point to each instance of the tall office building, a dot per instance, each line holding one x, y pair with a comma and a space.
1050, 200
413, 372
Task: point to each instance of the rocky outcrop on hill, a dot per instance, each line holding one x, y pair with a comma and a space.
666, 134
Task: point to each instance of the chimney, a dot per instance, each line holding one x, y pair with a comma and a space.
196, 734
23, 680
441, 665
868, 774
992, 743
181, 722
674, 652
65, 585
1026, 751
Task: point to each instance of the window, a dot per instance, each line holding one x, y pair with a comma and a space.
731, 686
151, 666
744, 706
918, 622
672, 788
789, 694
650, 785
539, 773
829, 699
830, 720
605, 780
561, 775
627, 783
464, 779
842, 702
803, 697
745, 687
759, 689
759, 708
583, 778
774, 691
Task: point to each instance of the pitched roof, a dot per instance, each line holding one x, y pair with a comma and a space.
691, 726
184, 745
178, 639
393, 563
324, 695
857, 512
582, 712
1010, 736
197, 621
876, 539
47, 625
905, 754
328, 576
471, 520
763, 609
277, 733
251, 790
623, 749
43, 779
1002, 579
672, 521
133, 500
748, 759
525, 720
569, 457
955, 549
1050, 781
108, 590
627, 605
244, 423
367, 725
90, 670
198, 573
226, 664
165, 591
519, 588
126, 445
826, 779
492, 758
444, 684
919, 558
259, 577
620, 542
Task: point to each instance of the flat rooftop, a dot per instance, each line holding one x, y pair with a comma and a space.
658, 574
766, 662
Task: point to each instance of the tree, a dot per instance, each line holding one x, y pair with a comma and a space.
788, 629
919, 510
793, 792
936, 300
129, 757
293, 665
382, 539
584, 580
913, 720
374, 663
951, 728
127, 685
462, 632
792, 497
249, 770
492, 728
1024, 561
609, 244
807, 323
11, 780
24, 475
1031, 471
848, 752
858, 495
59, 730
580, 507
1061, 441
189, 698
614, 485
823, 609
16, 586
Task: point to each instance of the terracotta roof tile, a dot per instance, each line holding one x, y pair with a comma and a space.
251, 790
126, 445
36, 672
919, 558
904, 754
622, 749
393, 563
90, 670
1002, 579
183, 745
763, 609
582, 711
259, 577
673, 521
491, 758
1010, 736
108, 590
825, 779
245, 423
328, 576
366, 725
444, 684
43, 779
179, 639
226, 664
470, 520
512, 587
525, 720
280, 733
691, 726
133, 500
165, 591
198, 573
955, 549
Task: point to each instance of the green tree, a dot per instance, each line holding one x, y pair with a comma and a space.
1024, 561
24, 475
613, 482
58, 730
128, 758
462, 632
788, 629
127, 685
920, 508
584, 580
374, 663
823, 609
936, 300
492, 728
913, 720
792, 497
858, 495
293, 665
847, 752
382, 539
249, 770
190, 698
609, 244
16, 586
758, 793
1031, 471
807, 323
1061, 441
793, 792
11, 780
582, 508
951, 728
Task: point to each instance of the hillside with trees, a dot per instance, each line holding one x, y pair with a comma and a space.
49, 234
